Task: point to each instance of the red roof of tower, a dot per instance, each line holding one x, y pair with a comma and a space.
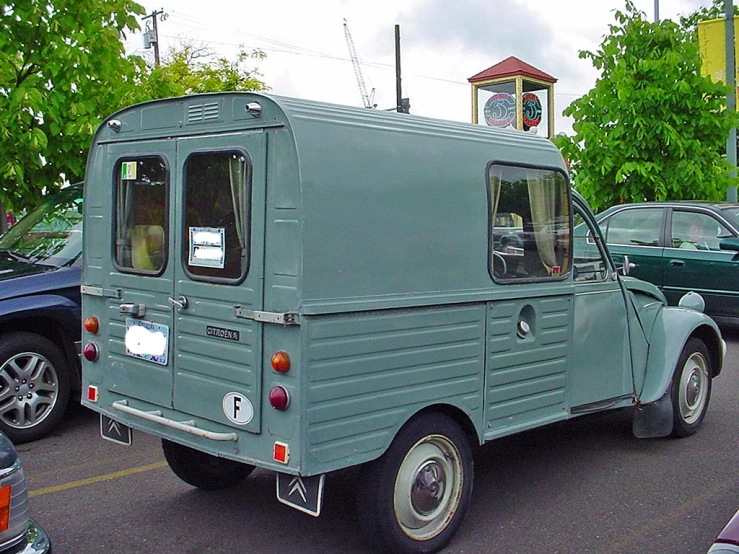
510, 67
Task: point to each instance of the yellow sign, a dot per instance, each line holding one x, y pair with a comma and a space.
712, 40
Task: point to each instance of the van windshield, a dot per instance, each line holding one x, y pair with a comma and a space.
51, 234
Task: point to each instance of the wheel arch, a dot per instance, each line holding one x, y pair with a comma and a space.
454, 413
51, 329
715, 346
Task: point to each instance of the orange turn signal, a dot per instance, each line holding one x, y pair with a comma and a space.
4, 507
92, 324
280, 361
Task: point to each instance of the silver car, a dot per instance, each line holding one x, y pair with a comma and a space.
19, 534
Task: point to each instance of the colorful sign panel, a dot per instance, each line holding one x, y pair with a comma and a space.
500, 110
531, 110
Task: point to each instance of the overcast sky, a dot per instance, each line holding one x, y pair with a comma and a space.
443, 43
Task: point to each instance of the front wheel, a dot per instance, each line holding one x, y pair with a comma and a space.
691, 388
202, 470
415, 496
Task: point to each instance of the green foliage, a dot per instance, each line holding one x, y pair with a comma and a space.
60, 63
194, 69
652, 128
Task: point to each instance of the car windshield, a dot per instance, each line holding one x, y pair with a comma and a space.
51, 234
732, 214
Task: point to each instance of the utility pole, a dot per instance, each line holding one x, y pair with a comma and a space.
656, 11
151, 36
731, 100
402, 105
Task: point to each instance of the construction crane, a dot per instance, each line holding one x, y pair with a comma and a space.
367, 99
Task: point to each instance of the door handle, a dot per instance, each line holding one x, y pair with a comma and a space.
677, 263
180, 303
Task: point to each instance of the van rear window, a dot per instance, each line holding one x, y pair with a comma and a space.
141, 214
217, 208
530, 236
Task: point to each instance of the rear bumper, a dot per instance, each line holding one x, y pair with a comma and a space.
35, 541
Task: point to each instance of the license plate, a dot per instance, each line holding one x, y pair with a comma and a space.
147, 340
115, 431
302, 493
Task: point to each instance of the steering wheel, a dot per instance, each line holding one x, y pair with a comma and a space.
499, 256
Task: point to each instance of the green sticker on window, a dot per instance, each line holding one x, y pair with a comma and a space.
128, 171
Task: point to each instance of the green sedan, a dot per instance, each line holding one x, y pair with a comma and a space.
680, 247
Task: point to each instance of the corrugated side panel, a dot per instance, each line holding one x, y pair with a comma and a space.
367, 373
526, 378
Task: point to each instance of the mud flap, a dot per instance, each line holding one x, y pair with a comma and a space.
655, 419
302, 493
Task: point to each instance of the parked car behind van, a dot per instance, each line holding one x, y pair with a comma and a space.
40, 323
680, 247
19, 534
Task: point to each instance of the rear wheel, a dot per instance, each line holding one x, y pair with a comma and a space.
202, 470
691, 388
34, 386
414, 497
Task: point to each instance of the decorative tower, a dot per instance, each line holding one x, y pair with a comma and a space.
514, 94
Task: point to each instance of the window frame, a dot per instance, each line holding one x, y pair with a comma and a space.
564, 276
185, 234
118, 164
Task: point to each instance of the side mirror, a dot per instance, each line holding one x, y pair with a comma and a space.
729, 244
627, 266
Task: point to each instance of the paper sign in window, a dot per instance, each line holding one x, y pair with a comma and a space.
207, 247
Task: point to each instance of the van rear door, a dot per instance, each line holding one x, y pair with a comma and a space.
218, 277
139, 315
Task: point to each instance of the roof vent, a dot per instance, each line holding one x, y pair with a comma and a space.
206, 111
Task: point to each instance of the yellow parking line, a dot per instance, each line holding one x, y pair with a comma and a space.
98, 479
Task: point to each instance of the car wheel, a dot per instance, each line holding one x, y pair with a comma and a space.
691, 388
414, 497
202, 470
34, 386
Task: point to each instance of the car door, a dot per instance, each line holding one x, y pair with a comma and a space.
600, 361
140, 316
218, 276
694, 262
636, 231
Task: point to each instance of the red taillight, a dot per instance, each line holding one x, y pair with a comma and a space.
280, 362
279, 399
4, 507
92, 324
281, 452
90, 352
92, 393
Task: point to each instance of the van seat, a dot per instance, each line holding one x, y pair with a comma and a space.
147, 247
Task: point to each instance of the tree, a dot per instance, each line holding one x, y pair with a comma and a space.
652, 128
62, 69
194, 68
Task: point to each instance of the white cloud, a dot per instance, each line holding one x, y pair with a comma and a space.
443, 43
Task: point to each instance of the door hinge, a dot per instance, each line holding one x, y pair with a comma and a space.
100, 291
287, 318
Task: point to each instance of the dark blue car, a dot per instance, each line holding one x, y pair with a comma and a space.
40, 327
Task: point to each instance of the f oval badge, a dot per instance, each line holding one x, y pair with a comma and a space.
238, 408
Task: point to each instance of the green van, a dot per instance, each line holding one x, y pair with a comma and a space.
304, 287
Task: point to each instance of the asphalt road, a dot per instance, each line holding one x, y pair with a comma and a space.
585, 486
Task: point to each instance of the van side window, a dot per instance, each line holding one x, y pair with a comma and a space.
217, 208
530, 224
141, 214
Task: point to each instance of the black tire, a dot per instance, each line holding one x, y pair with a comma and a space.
34, 386
691, 388
202, 470
414, 497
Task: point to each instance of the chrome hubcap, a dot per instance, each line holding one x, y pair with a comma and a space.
28, 390
693, 388
428, 487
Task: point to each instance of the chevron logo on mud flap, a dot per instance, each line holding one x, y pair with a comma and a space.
302, 493
114, 431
